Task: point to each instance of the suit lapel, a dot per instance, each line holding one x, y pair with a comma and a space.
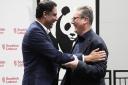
39, 25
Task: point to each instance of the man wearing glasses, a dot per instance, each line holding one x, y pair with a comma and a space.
86, 73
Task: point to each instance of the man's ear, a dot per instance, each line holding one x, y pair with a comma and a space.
86, 20
44, 14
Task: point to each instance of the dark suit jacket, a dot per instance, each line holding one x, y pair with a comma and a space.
87, 73
40, 57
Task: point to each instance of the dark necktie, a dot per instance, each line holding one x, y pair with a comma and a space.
54, 40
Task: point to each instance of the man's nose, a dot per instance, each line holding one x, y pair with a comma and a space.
56, 18
72, 22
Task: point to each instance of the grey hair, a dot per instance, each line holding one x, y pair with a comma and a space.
86, 12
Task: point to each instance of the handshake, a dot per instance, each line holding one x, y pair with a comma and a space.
94, 56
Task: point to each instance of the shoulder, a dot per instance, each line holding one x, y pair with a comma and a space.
97, 41
96, 38
35, 27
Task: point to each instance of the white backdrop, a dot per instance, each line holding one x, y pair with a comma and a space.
15, 17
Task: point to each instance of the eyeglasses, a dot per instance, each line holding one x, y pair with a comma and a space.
74, 18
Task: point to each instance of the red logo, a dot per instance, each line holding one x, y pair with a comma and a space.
2, 63
10, 79
3, 46
19, 30
18, 63
2, 30
3, 79
10, 47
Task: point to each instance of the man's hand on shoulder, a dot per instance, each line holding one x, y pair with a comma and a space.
95, 56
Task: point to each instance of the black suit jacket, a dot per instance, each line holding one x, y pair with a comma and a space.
87, 73
40, 57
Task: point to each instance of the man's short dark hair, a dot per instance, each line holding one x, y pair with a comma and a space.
44, 6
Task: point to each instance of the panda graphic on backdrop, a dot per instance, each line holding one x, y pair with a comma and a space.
64, 36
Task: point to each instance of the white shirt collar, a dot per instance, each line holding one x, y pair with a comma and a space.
46, 29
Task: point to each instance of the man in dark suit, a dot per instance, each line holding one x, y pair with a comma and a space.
40, 57
86, 73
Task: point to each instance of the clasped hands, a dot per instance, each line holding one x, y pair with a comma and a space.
94, 56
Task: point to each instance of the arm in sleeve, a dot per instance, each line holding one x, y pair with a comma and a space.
94, 69
41, 44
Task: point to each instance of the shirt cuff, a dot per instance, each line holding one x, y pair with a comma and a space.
83, 58
74, 56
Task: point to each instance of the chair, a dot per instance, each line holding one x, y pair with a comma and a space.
108, 78
120, 77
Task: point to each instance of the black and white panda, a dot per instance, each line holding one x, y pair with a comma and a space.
64, 36
64, 30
